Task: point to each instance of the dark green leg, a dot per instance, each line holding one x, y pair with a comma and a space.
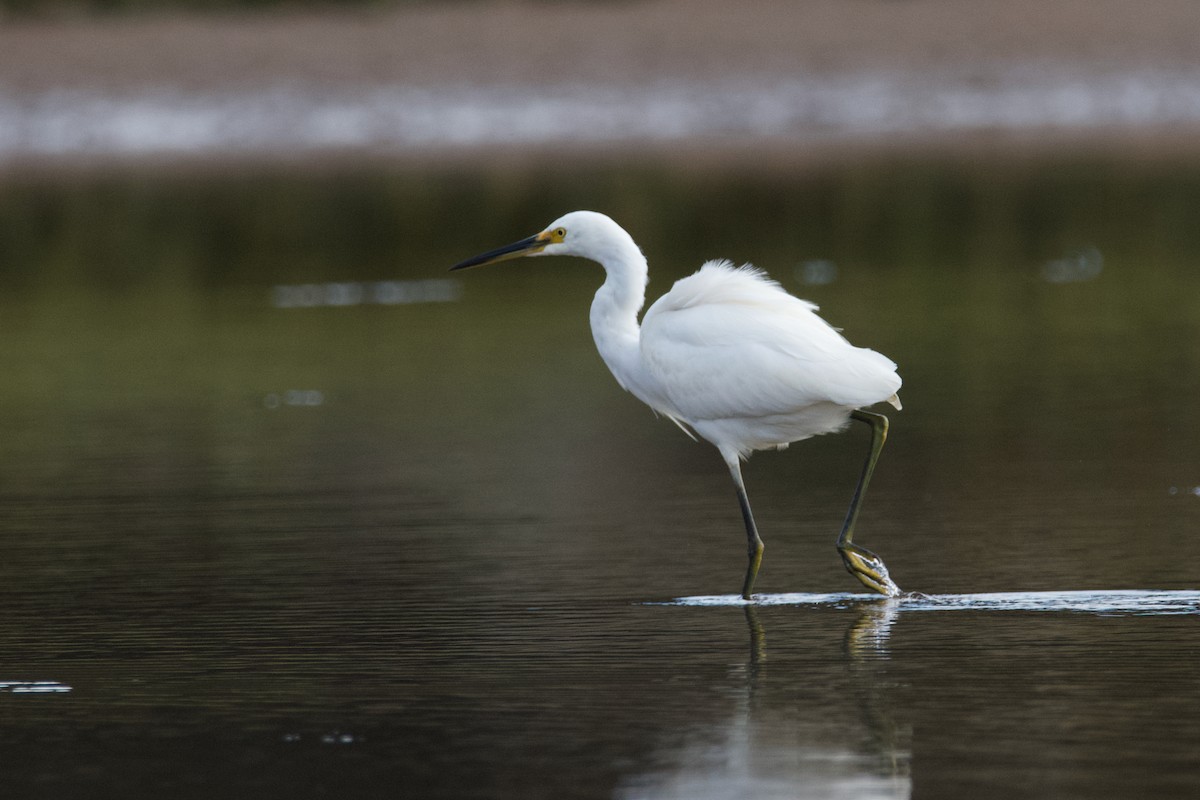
754, 544
861, 562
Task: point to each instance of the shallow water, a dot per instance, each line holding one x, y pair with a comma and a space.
289, 511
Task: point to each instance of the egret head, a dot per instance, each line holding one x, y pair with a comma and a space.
579, 233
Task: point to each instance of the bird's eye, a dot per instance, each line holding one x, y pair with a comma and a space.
560, 233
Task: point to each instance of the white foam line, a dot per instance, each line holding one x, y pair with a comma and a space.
282, 119
34, 687
1120, 601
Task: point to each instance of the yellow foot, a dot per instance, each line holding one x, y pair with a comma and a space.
756, 552
868, 568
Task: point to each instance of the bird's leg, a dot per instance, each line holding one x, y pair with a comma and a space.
861, 562
754, 544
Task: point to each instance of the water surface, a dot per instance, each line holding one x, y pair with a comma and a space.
289, 511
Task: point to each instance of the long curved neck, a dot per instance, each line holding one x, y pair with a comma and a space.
615, 308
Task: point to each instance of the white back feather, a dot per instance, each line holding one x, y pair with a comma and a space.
728, 342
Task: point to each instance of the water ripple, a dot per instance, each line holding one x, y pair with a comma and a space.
34, 687
1147, 602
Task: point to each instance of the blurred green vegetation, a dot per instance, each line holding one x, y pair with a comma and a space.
105, 230
147, 295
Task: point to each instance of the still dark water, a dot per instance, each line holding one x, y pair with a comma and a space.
288, 511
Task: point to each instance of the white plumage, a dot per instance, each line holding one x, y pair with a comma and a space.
750, 367
731, 355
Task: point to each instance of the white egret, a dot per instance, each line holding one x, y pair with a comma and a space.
730, 355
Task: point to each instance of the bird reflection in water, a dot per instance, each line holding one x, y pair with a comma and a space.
793, 735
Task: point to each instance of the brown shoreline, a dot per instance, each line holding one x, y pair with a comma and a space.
625, 44
528, 43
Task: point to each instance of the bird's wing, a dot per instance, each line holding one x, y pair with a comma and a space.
729, 343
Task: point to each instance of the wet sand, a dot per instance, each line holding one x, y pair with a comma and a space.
921, 43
